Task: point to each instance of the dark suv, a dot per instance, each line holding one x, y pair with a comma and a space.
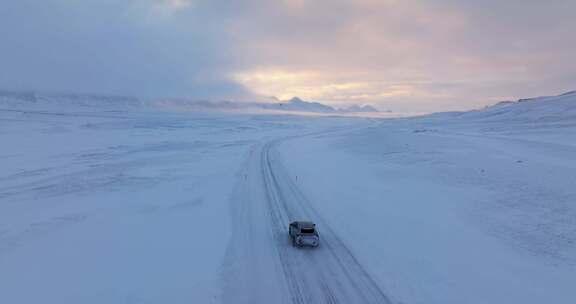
303, 234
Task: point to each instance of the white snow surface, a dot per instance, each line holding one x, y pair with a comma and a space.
106, 200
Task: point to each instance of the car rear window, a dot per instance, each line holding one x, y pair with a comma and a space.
307, 230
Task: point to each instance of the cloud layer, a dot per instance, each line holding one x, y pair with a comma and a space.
411, 54
142, 48
406, 55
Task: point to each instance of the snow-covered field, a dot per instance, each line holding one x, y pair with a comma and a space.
140, 205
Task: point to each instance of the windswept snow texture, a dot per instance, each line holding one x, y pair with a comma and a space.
108, 200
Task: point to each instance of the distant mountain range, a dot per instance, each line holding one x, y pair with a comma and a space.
51, 100
298, 105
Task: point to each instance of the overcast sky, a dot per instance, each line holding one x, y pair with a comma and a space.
404, 55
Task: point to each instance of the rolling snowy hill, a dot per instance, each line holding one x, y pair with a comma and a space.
547, 110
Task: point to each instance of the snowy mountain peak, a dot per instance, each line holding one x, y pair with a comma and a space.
296, 100
297, 104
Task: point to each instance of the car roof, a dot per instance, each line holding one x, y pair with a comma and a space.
305, 224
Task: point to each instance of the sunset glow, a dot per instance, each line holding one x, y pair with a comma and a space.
405, 55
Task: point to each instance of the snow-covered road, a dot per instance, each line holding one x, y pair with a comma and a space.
327, 274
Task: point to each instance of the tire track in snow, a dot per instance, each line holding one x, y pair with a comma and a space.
328, 274
277, 216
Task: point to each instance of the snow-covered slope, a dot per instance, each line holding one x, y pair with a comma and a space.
469, 207
113, 201
549, 110
553, 109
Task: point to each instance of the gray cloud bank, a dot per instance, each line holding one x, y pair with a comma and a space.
406, 55
142, 48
